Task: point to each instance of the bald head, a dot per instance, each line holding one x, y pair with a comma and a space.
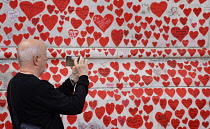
28, 49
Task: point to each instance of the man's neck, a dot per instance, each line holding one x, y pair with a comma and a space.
26, 71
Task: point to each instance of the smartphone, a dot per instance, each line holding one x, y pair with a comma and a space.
70, 60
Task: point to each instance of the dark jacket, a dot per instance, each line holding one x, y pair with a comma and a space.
37, 101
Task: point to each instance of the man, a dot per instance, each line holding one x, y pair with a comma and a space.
37, 102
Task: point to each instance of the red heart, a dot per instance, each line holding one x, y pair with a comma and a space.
135, 78
197, 11
87, 116
106, 120
180, 33
64, 71
206, 92
109, 108
193, 34
163, 119
170, 92
119, 108
175, 123
173, 103
2, 17
138, 92
193, 112
2, 101
58, 40
78, 2
61, 5
179, 113
49, 21
30, 9
71, 118
57, 77
133, 111
194, 124
204, 114
104, 72
148, 108
76, 23
181, 92
102, 94
106, 20
118, 3
4, 68
44, 36
45, 76
204, 79
134, 122
50, 8
115, 65
99, 112
158, 8
187, 102
82, 12
200, 103
121, 120
147, 79
117, 36
104, 41
163, 103
203, 30
201, 43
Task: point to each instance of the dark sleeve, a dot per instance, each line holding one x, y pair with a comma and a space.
66, 88
55, 101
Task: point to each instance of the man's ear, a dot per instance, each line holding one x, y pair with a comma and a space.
35, 60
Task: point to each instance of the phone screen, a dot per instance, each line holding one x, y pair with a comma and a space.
69, 61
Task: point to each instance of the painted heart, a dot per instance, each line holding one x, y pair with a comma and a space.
158, 8
87, 116
121, 120
179, 113
106, 120
187, 102
103, 23
99, 112
147, 79
102, 94
30, 9
163, 118
138, 92
204, 79
61, 5
49, 21
13, 15
134, 122
104, 72
180, 33
82, 12
117, 36
194, 124
193, 112
93, 104
200, 103
71, 119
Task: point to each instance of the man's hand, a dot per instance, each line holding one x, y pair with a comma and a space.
81, 65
